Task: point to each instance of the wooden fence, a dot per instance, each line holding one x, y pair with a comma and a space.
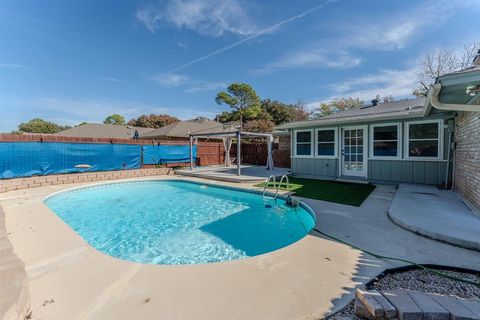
208, 153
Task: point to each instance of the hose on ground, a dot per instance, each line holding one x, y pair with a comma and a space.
382, 257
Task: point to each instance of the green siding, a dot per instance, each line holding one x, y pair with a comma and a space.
382, 171
405, 171
327, 168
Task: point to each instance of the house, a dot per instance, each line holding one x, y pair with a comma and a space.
390, 142
180, 130
100, 130
433, 140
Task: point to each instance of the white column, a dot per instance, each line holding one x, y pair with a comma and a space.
270, 153
238, 153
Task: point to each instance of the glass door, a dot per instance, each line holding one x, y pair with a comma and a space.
354, 151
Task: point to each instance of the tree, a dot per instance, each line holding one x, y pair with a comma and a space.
337, 105
278, 112
38, 125
240, 97
299, 112
115, 119
153, 121
259, 126
437, 62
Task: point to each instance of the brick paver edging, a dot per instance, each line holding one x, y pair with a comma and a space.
39, 181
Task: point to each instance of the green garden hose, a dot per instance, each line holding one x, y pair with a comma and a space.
398, 259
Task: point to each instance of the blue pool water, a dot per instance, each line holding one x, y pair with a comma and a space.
177, 222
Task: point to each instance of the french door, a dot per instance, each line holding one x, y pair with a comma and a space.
354, 151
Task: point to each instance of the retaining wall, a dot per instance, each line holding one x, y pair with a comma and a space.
39, 181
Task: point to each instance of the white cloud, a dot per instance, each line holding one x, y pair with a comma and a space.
13, 66
171, 80
395, 31
205, 86
111, 79
386, 82
255, 35
206, 17
311, 58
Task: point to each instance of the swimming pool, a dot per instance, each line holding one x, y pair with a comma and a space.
178, 222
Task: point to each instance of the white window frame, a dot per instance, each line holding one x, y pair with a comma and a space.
399, 141
312, 144
335, 142
440, 139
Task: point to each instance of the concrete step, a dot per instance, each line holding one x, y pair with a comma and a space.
458, 311
406, 307
375, 304
413, 305
430, 308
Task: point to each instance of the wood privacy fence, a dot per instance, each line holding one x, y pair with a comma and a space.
256, 154
208, 153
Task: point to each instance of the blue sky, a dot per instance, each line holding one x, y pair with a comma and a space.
74, 61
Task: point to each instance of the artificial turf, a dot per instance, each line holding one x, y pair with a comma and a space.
340, 192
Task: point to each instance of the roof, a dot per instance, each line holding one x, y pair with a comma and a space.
182, 129
407, 108
100, 130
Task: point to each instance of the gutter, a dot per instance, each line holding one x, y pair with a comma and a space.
358, 119
433, 99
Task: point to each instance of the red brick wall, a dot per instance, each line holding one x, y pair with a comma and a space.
467, 156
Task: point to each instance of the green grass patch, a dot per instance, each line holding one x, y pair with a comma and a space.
340, 192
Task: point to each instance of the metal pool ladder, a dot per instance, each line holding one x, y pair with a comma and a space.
280, 184
272, 178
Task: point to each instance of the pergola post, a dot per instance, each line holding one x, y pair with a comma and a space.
238, 153
191, 152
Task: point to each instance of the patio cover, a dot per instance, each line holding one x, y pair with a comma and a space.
228, 134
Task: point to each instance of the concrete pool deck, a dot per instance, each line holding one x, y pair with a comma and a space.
305, 280
442, 215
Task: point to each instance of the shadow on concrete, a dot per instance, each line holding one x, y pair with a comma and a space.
368, 227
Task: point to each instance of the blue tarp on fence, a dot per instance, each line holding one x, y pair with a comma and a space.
167, 154
24, 159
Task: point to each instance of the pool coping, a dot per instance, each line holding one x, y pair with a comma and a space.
307, 208
283, 196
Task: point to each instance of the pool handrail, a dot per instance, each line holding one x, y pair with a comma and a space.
271, 177
280, 184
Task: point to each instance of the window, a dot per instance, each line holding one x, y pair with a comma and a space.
303, 143
326, 142
385, 140
424, 139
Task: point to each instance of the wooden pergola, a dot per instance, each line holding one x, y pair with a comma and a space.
238, 134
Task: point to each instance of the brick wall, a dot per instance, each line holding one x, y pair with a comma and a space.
39, 181
467, 156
